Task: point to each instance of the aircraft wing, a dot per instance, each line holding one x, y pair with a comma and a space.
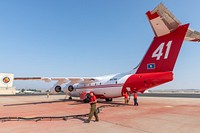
163, 21
61, 80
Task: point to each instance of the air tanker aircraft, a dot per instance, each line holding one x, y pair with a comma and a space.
155, 68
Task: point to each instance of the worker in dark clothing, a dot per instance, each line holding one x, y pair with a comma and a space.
93, 110
125, 94
135, 98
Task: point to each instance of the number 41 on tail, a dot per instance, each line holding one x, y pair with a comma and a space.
159, 51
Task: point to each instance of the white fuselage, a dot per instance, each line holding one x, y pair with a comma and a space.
109, 86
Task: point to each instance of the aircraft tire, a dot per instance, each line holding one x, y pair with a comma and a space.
70, 98
108, 99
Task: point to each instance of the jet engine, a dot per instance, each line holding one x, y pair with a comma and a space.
70, 88
58, 88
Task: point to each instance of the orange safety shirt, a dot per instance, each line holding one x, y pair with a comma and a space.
135, 95
125, 95
93, 98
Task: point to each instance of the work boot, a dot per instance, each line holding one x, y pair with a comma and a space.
86, 121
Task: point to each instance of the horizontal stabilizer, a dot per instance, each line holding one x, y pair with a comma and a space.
163, 22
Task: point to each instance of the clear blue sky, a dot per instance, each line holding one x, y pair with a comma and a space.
66, 38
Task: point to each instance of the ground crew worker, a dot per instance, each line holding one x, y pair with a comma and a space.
135, 98
48, 93
125, 94
93, 110
66, 94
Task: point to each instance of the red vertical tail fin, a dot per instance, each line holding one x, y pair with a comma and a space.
163, 52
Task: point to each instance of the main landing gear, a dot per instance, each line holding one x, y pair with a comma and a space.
108, 99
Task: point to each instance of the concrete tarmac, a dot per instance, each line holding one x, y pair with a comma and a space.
180, 95
153, 115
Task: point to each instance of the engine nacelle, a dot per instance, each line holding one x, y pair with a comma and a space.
58, 88
70, 88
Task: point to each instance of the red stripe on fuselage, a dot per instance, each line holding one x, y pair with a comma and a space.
101, 86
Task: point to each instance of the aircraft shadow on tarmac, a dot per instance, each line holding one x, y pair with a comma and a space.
81, 117
44, 102
76, 102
